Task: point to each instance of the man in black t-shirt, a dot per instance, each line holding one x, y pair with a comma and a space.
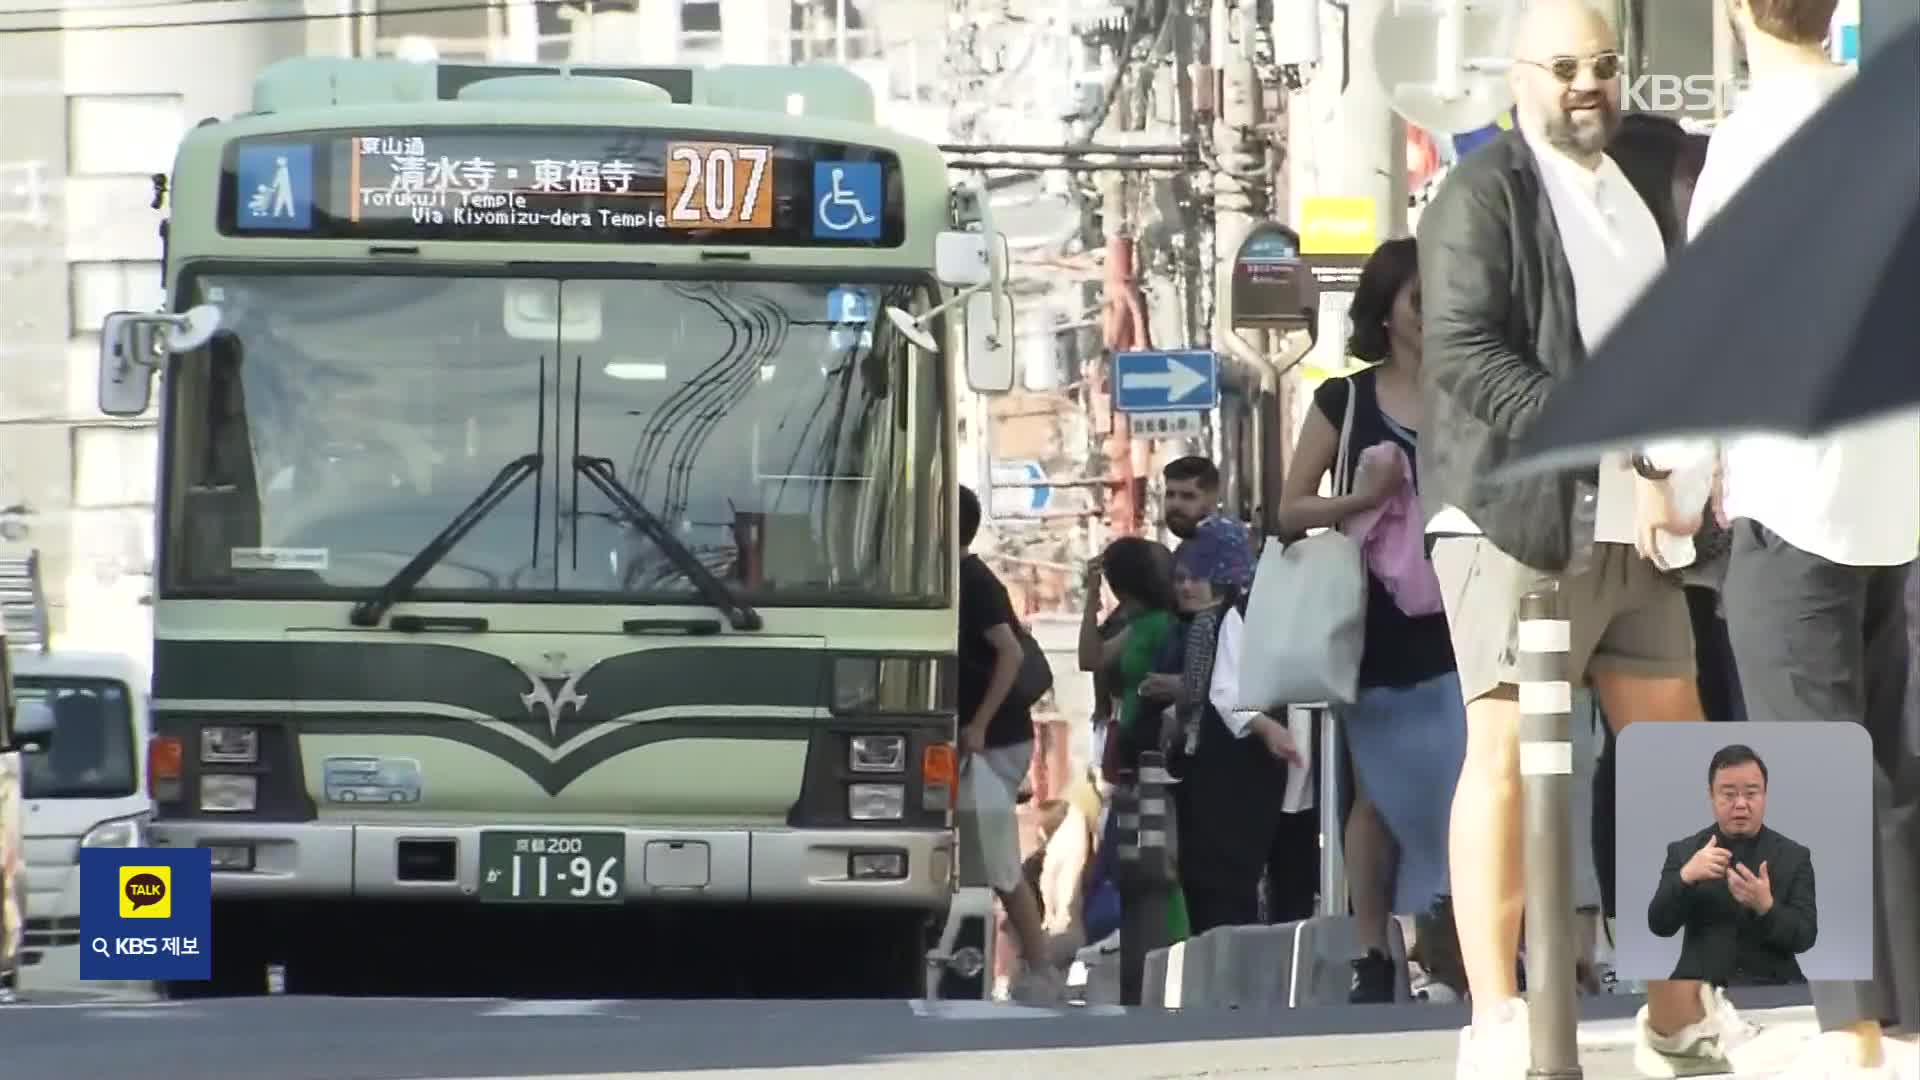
996, 741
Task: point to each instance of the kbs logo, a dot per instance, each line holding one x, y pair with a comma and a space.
146, 892
146, 914
1693, 94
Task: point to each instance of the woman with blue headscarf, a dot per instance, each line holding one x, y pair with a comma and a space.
1231, 765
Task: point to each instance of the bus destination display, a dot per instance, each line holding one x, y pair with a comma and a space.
570, 186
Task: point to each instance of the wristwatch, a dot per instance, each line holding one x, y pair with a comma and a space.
1644, 466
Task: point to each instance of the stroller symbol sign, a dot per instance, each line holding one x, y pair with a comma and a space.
851, 313
276, 183
848, 200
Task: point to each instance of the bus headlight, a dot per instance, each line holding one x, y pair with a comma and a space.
877, 753
124, 832
229, 745
876, 802
225, 794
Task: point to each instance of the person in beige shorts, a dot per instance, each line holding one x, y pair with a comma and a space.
1532, 249
1625, 617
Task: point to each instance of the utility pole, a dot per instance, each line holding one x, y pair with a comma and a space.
1242, 196
1344, 140
1188, 57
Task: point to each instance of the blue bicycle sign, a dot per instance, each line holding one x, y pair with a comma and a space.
847, 200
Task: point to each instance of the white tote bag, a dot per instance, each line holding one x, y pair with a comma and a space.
1307, 613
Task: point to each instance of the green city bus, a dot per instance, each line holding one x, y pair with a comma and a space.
556, 499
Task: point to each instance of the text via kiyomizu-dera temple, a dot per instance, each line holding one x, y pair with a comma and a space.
588, 185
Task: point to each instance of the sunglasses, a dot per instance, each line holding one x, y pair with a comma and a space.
1605, 66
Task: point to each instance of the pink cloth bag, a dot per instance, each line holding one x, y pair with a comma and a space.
1392, 539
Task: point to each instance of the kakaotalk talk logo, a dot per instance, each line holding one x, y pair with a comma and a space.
146, 892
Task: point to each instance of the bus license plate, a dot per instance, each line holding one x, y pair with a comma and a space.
553, 868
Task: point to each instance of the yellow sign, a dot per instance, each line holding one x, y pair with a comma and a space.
1313, 375
1338, 225
146, 892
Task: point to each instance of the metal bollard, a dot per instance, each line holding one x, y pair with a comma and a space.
1145, 872
1333, 826
1546, 777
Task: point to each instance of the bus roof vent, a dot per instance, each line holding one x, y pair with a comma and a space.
584, 89
323, 82
23, 604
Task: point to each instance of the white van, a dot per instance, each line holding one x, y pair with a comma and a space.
87, 788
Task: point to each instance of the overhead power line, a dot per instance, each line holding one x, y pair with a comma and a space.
108, 9
242, 20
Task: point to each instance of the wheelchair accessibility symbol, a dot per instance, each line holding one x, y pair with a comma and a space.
847, 200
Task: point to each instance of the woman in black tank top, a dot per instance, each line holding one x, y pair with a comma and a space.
1406, 735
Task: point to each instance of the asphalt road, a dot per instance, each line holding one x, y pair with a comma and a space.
59, 1037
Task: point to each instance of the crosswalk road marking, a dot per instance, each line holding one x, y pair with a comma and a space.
550, 1008
994, 1010
97, 1003
138, 1012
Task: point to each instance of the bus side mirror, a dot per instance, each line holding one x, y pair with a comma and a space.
134, 344
989, 343
129, 354
989, 335
978, 264
961, 259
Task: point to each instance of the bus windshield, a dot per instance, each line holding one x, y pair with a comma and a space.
91, 753
783, 430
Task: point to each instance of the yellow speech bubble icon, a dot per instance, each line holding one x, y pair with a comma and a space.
146, 892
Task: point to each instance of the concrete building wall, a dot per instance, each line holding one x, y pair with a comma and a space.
91, 108
33, 299
89, 111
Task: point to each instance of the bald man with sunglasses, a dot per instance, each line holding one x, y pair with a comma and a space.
1533, 248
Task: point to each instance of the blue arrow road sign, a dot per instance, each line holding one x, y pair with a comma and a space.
1163, 381
1031, 500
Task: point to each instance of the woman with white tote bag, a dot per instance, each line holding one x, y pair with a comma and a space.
1384, 659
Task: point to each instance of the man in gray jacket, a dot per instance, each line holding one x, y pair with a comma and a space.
1532, 249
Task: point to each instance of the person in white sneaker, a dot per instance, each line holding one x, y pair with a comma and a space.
1533, 247
1824, 532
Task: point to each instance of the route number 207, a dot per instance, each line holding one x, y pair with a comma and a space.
718, 186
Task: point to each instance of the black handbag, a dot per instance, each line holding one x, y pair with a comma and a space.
1035, 680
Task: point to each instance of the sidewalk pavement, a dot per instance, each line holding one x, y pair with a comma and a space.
1606, 1054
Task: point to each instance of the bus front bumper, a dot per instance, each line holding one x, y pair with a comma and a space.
903, 868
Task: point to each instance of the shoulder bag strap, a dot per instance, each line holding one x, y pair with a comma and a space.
1342, 470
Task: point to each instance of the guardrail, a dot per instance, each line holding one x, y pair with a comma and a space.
1306, 963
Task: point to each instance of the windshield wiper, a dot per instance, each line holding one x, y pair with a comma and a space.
599, 472
370, 611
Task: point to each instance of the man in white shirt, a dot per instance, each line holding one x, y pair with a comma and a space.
1824, 531
1534, 247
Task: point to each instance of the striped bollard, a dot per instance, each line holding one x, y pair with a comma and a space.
1546, 777
1144, 819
